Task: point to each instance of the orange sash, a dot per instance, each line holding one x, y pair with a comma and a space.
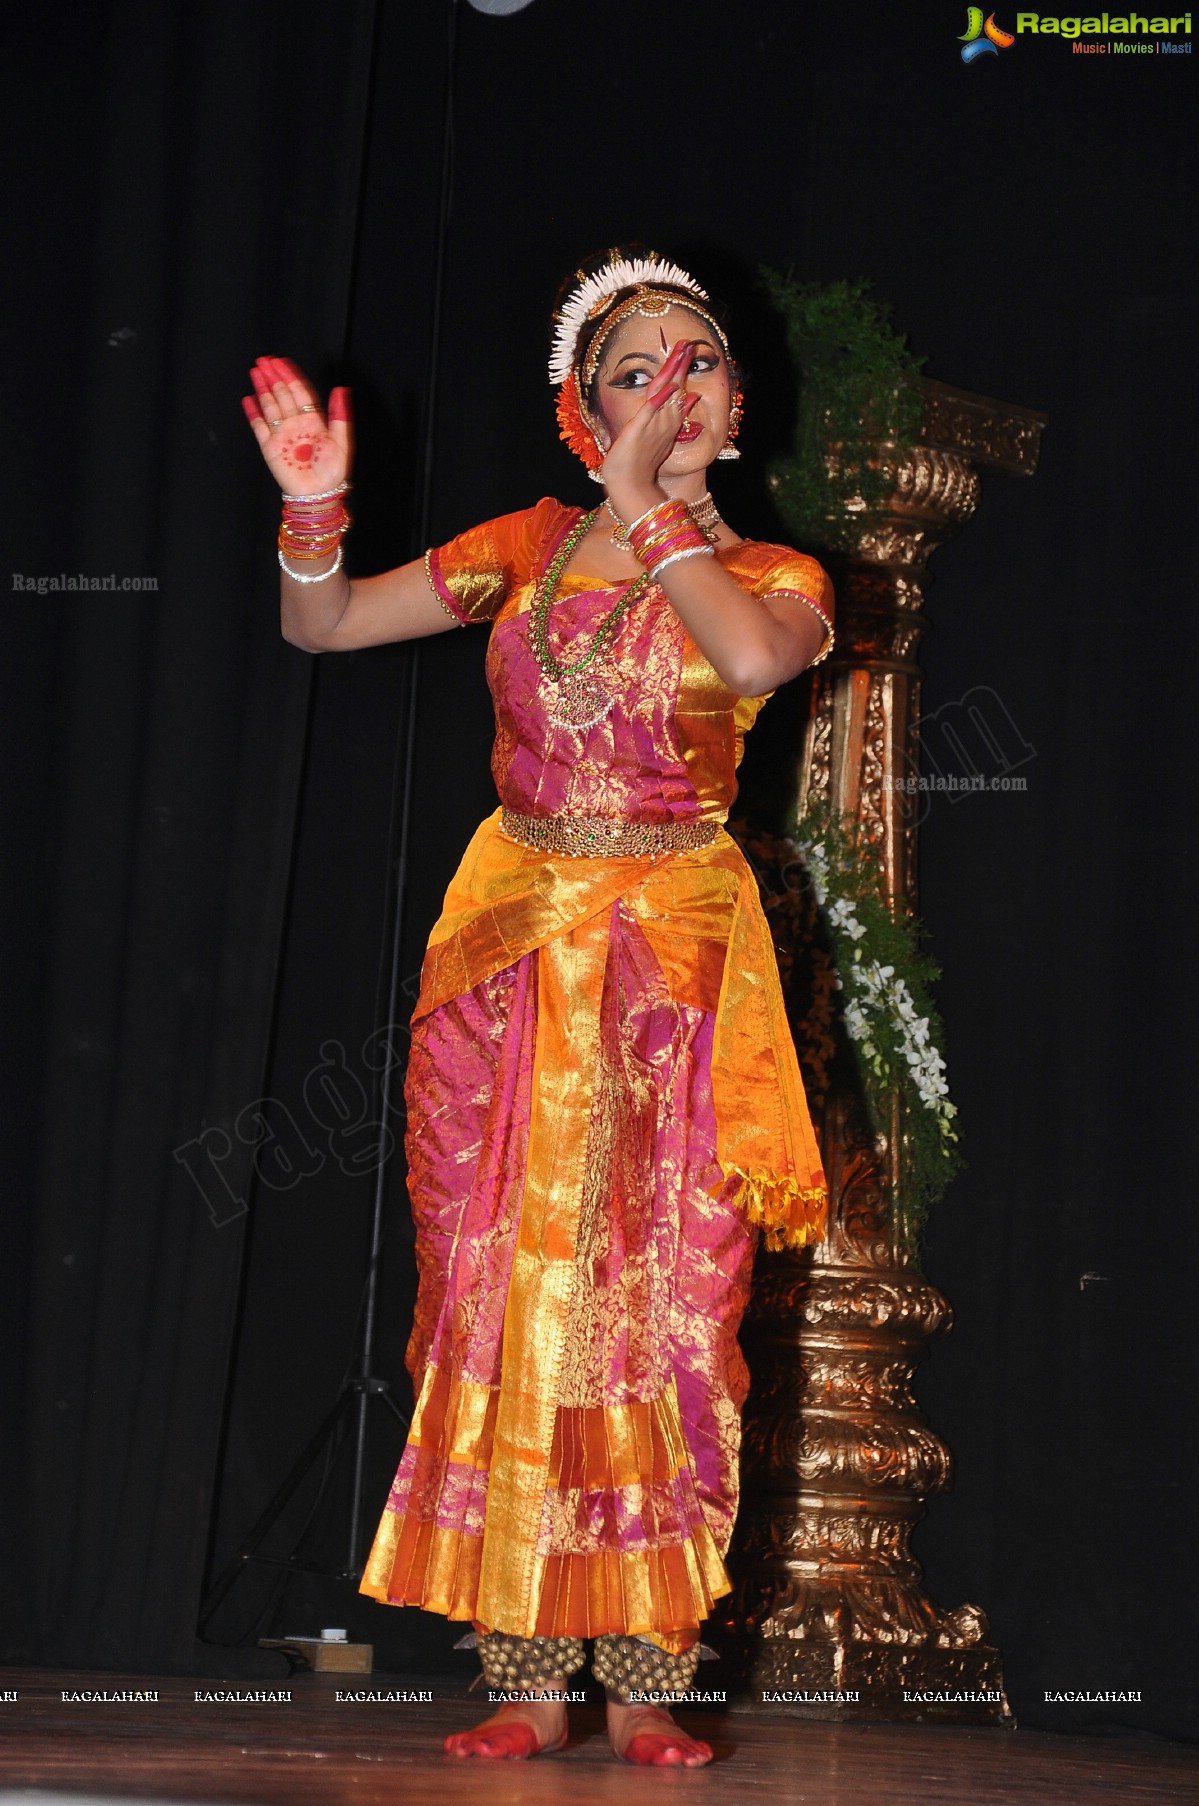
701, 913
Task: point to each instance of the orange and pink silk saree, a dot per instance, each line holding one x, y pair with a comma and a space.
604, 1109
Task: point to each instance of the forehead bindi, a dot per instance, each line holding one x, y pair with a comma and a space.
642, 335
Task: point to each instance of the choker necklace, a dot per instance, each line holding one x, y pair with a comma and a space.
573, 698
704, 513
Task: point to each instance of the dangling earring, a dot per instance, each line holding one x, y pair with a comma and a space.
593, 471
728, 449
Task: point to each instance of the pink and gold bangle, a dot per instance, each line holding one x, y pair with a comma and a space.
675, 541
669, 537
316, 529
313, 526
622, 532
319, 511
672, 542
292, 505
665, 534
310, 518
308, 548
308, 529
657, 524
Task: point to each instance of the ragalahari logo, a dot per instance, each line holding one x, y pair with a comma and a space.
983, 38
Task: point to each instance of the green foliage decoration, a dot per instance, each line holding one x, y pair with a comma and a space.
858, 396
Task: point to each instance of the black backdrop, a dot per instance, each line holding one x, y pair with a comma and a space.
198, 817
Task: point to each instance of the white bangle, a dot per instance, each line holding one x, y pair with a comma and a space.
322, 495
674, 557
299, 577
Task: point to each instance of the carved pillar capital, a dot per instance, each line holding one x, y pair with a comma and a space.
862, 739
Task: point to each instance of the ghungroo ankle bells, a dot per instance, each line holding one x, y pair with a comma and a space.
632, 1665
510, 1663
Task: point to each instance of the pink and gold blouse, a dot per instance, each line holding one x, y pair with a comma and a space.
670, 747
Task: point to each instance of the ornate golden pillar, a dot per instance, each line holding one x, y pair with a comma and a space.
838, 1459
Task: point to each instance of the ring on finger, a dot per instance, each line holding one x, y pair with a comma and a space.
273, 424
308, 407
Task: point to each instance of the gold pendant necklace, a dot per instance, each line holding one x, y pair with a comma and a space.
574, 696
578, 701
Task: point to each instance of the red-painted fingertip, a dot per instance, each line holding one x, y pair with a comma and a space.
339, 404
669, 370
659, 401
261, 385
251, 409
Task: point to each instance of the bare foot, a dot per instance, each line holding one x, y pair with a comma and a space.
532, 1728
649, 1736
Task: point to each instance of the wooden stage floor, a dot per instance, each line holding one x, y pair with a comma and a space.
318, 1751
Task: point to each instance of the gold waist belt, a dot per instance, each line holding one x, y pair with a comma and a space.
612, 837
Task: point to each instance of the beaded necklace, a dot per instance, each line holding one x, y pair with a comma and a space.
573, 700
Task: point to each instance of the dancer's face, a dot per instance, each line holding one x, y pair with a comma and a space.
631, 358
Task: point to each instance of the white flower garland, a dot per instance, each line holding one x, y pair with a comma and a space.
586, 300
876, 994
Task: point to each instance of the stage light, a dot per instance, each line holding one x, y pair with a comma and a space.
500, 6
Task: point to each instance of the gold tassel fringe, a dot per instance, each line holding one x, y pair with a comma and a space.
789, 1215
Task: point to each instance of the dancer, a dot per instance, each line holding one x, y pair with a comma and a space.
604, 1109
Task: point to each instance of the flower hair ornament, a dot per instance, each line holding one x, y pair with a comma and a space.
656, 285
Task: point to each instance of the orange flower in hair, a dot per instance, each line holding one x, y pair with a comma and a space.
573, 428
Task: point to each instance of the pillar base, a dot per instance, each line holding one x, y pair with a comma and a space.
894, 1683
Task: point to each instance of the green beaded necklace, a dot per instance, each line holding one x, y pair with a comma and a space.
575, 701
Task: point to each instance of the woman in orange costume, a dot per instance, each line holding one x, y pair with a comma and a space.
604, 1106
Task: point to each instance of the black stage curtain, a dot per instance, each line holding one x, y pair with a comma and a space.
202, 904
184, 201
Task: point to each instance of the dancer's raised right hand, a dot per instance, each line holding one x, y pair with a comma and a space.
305, 453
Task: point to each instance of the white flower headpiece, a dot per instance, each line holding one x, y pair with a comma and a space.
589, 298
